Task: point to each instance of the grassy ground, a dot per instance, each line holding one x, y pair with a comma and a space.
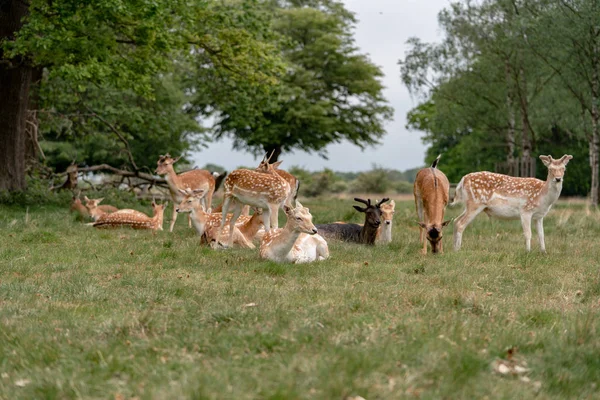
121, 314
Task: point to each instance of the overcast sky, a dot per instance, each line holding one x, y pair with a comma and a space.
382, 30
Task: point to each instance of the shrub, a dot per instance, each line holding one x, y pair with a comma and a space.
374, 181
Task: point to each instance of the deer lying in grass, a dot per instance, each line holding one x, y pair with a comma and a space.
384, 232
195, 179
431, 191
297, 241
266, 190
78, 207
96, 210
207, 223
133, 219
365, 234
507, 197
244, 233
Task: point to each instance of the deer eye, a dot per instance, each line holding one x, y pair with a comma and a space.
298, 219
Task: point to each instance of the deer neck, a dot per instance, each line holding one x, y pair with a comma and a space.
367, 234
157, 220
252, 226
385, 233
287, 239
550, 191
199, 218
172, 179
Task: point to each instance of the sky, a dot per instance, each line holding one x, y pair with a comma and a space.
381, 32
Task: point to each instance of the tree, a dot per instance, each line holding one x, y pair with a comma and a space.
328, 94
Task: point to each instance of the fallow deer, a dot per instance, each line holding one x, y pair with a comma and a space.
507, 197
78, 207
365, 234
195, 179
203, 221
384, 232
431, 191
96, 210
133, 219
245, 209
291, 179
244, 233
266, 190
297, 241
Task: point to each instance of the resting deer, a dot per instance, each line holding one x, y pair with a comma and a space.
133, 219
244, 232
206, 221
96, 210
365, 234
78, 207
384, 232
195, 179
507, 197
297, 241
431, 191
266, 190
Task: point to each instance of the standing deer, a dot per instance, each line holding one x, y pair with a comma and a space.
507, 197
266, 190
96, 210
297, 242
431, 191
291, 179
194, 180
366, 233
133, 219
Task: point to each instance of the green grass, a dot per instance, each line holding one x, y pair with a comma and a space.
119, 314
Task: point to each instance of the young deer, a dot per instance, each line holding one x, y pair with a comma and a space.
133, 219
507, 197
297, 242
204, 221
266, 190
195, 179
96, 210
384, 232
78, 207
365, 234
244, 232
431, 191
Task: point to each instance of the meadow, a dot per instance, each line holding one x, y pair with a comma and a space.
127, 314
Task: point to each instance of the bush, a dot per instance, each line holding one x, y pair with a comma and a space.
374, 181
404, 187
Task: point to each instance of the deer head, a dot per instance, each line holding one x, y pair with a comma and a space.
300, 219
91, 203
556, 168
433, 233
387, 212
164, 162
191, 199
373, 212
158, 211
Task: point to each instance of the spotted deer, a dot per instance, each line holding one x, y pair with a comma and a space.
291, 179
245, 231
297, 241
431, 192
202, 220
266, 190
96, 210
133, 219
507, 197
194, 179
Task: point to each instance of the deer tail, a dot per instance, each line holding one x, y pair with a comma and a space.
219, 179
436, 161
458, 194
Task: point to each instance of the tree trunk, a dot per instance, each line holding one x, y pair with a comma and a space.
595, 136
15, 79
275, 150
510, 133
525, 136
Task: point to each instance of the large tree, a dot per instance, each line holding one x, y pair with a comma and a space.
329, 93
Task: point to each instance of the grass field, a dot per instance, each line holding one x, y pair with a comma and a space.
123, 314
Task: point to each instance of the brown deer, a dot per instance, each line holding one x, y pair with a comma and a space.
431, 191
133, 219
205, 221
96, 210
508, 197
297, 242
384, 233
78, 207
266, 190
244, 233
195, 179
291, 179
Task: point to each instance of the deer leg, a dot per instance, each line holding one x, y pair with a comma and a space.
242, 240
274, 215
208, 199
539, 227
266, 216
224, 211
174, 217
461, 223
424, 236
420, 216
235, 215
526, 223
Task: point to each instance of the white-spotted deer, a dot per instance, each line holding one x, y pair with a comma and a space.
297, 242
291, 179
431, 191
133, 219
196, 179
507, 197
96, 210
266, 190
206, 223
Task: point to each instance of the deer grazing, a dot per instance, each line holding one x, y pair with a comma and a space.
96, 210
507, 197
195, 179
266, 190
297, 241
365, 234
133, 219
431, 191
207, 223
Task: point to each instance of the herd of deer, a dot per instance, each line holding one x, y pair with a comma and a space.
268, 188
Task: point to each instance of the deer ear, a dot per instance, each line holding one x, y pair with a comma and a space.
276, 164
422, 225
165, 204
287, 209
359, 209
393, 203
175, 160
86, 198
446, 223
546, 160
198, 191
183, 192
99, 200
565, 159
